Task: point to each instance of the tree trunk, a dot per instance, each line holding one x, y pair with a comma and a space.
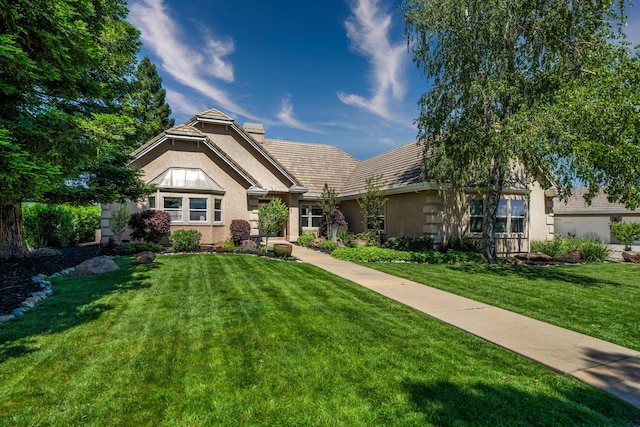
489, 221
11, 238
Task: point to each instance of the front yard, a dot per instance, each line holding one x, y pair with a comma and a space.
239, 340
600, 300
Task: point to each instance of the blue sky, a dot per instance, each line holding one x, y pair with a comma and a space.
333, 72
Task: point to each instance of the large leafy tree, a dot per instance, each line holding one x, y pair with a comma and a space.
65, 68
534, 87
146, 103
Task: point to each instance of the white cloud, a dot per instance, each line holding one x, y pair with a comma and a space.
287, 117
186, 65
181, 105
368, 30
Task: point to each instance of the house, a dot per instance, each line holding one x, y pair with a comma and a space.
576, 218
210, 171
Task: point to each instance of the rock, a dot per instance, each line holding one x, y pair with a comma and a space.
633, 257
48, 291
45, 252
574, 255
315, 243
45, 283
40, 294
249, 244
17, 313
6, 318
535, 257
97, 265
145, 257
37, 279
34, 300
54, 275
218, 247
27, 304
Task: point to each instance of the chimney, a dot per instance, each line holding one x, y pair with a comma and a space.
256, 130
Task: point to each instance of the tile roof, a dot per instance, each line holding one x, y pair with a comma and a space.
575, 205
399, 167
180, 130
211, 114
313, 164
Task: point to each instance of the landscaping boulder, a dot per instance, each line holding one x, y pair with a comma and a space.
574, 255
145, 257
45, 252
249, 245
633, 257
218, 248
315, 243
534, 257
97, 265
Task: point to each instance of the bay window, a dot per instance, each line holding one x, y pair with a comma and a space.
510, 218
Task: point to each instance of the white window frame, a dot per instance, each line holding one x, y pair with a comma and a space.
200, 211
217, 211
177, 214
310, 216
214, 214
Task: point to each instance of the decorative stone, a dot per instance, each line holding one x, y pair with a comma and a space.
36, 279
48, 291
574, 255
27, 304
54, 275
218, 247
97, 265
17, 313
633, 257
34, 300
145, 257
45, 283
40, 294
45, 252
535, 257
6, 318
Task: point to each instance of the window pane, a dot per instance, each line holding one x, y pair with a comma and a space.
304, 222
316, 211
475, 224
502, 208
304, 210
175, 215
197, 215
517, 225
475, 207
315, 221
198, 203
517, 208
501, 225
217, 204
173, 202
217, 216
152, 202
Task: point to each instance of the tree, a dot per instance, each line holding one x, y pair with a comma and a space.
372, 203
66, 68
499, 71
146, 103
119, 220
329, 203
626, 232
271, 218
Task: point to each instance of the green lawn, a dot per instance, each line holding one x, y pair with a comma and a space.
600, 300
238, 340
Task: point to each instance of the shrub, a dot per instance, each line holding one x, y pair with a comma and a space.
119, 220
463, 244
337, 219
554, 248
229, 245
128, 249
240, 231
185, 240
410, 244
59, 225
375, 254
328, 246
591, 250
150, 225
305, 239
626, 232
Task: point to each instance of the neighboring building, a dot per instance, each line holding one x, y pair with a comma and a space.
576, 218
210, 171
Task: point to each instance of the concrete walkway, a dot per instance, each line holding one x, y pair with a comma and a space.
606, 366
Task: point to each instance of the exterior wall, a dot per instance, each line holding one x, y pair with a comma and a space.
589, 225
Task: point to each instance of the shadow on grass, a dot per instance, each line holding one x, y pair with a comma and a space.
534, 273
447, 404
75, 301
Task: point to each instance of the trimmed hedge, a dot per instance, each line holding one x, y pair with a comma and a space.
59, 225
375, 254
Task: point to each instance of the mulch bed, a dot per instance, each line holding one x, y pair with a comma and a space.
15, 274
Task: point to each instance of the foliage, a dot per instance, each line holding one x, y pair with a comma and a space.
331, 220
369, 236
240, 230
59, 225
372, 203
329, 203
463, 244
375, 254
119, 220
229, 245
150, 225
410, 244
525, 85
129, 249
328, 246
590, 250
305, 239
626, 232
66, 67
271, 217
185, 240
146, 102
